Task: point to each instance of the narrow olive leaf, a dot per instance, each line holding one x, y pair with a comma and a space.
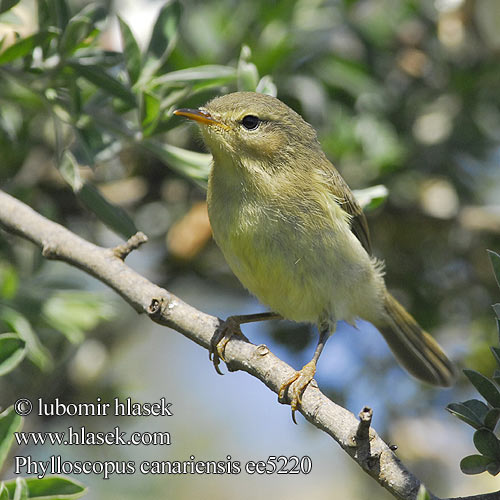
423, 494
104, 81
161, 122
51, 488
75, 312
70, 170
195, 166
247, 73
150, 113
487, 443
5, 5
24, 46
491, 418
9, 281
53, 13
496, 308
198, 73
267, 86
12, 352
4, 492
79, 28
21, 492
131, 52
495, 262
115, 217
485, 386
18, 323
474, 464
463, 413
10, 422
370, 198
496, 354
163, 36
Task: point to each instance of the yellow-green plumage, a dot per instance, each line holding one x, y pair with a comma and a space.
292, 232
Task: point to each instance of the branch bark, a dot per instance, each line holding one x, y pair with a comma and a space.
360, 441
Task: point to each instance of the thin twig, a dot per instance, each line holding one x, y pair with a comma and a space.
134, 242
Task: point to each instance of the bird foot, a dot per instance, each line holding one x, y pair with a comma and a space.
226, 330
296, 385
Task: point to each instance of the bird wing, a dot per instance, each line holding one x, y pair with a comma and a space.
342, 192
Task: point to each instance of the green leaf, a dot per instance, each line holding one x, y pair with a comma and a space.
496, 308
115, 217
485, 386
487, 443
466, 414
10, 422
157, 114
493, 468
5, 5
248, 75
267, 86
4, 492
151, 113
350, 76
195, 166
18, 323
198, 73
70, 170
131, 52
21, 491
479, 408
24, 46
491, 418
51, 488
163, 37
104, 81
9, 280
495, 262
53, 13
75, 312
496, 354
12, 351
474, 464
423, 494
79, 28
372, 197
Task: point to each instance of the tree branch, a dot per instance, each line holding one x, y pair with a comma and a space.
360, 441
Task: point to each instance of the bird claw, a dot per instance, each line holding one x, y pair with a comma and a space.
296, 385
221, 337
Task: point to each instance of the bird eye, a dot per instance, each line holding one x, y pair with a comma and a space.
250, 122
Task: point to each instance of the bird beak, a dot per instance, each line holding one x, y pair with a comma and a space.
200, 116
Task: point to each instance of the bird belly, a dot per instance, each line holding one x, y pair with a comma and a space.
305, 274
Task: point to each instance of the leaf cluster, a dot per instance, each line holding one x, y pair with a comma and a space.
483, 415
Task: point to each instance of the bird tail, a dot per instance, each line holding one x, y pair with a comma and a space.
414, 348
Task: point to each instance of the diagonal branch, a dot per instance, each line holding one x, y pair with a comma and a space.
360, 441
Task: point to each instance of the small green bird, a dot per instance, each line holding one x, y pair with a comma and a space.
295, 236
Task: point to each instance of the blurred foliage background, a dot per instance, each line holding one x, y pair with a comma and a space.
402, 93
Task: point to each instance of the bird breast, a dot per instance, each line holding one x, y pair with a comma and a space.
296, 254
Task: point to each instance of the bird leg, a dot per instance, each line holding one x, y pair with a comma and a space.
230, 327
297, 384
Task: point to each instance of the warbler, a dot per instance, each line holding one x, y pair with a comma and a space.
293, 233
